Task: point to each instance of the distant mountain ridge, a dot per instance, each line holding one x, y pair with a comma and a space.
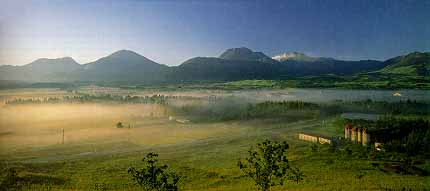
232, 64
300, 64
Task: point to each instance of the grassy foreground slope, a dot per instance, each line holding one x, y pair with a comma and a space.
210, 164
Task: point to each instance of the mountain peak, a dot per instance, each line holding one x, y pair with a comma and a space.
289, 55
122, 59
418, 54
297, 56
240, 50
61, 58
244, 53
237, 53
413, 58
124, 56
49, 61
124, 52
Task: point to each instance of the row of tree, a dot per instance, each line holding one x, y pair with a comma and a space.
85, 98
392, 108
231, 109
234, 109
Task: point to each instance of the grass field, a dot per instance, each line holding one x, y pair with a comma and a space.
96, 155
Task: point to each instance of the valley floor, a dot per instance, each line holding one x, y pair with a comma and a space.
208, 164
205, 154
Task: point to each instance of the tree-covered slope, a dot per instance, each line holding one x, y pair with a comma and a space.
413, 64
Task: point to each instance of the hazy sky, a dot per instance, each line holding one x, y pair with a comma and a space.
169, 32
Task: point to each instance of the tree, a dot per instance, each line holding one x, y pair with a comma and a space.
314, 147
296, 175
10, 181
119, 125
154, 176
268, 165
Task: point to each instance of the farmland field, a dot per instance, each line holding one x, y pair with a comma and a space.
78, 145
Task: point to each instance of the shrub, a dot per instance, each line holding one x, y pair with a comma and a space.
119, 125
268, 165
154, 176
10, 181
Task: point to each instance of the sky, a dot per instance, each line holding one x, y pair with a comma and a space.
170, 32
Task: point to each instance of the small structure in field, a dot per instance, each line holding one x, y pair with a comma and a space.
182, 120
171, 118
314, 138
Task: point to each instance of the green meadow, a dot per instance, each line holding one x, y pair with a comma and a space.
201, 135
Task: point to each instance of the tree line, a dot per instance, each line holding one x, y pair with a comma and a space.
88, 98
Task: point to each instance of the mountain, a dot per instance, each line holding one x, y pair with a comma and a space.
210, 69
123, 65
53, 65
122, 58
413, 64
300, 64
232, 64
245, 54
40, 70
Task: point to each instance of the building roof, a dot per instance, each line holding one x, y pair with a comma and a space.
362, 116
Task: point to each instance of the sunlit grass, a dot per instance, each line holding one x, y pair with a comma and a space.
96, 154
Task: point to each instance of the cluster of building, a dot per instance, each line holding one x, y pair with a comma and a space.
359, 135
314, 138
356, 135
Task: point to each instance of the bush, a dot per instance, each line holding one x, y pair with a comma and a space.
154, 176
10, 181
268, 165
119, 125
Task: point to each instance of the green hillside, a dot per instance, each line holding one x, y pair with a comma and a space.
413, 64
